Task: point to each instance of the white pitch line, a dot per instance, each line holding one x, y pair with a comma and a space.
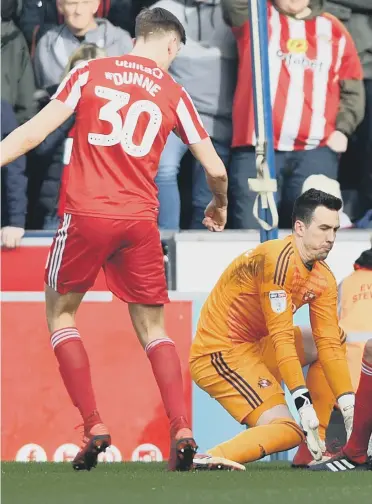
29, 297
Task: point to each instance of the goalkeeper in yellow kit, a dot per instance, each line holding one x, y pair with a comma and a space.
246, 342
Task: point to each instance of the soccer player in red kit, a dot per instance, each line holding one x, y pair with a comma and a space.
125, 109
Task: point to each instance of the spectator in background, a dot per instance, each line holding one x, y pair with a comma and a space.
356, 164
206, 66
13, 187
57, 45
39, 16
17, 76
54, 152
317, 98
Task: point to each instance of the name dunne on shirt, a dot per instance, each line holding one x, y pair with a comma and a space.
135, 78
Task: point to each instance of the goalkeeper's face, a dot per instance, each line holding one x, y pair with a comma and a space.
320, 234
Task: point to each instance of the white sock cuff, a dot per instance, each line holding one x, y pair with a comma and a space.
63, 335
161, 341
366, 368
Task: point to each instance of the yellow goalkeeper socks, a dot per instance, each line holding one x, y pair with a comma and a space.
257, 442
321, 395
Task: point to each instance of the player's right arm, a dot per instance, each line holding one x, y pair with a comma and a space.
215, 170
59, 109
191, 131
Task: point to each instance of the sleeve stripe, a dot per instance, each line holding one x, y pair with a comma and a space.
280, 263
62, 85
75, 93
285, 271
69, 91
187, 123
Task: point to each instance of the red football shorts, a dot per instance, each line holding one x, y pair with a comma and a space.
129, 252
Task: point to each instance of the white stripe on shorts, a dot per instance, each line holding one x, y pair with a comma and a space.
56, 257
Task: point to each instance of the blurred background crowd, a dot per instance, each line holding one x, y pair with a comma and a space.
41, 40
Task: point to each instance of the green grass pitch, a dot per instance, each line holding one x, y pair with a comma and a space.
132, 483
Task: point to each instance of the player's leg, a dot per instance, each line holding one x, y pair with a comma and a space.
354, 455
161, 351
243, 385
136, 275
356, 447
72, 267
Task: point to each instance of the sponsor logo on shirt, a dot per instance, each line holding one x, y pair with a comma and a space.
300, 59
155, 72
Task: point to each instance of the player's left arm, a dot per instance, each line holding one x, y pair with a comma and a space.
352, 94
330, 342
59, 109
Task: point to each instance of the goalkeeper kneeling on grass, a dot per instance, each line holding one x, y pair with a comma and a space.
246, 342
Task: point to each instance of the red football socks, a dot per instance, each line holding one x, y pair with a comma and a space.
75, 371
356, 447
166, 367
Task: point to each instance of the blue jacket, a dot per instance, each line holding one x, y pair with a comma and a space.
13, 177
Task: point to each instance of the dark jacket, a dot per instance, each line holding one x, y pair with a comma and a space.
13, 177
17, 76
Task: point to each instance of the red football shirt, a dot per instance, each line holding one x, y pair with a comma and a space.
307, 59
125, 109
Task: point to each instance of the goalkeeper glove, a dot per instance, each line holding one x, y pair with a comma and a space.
309, 422
346, 403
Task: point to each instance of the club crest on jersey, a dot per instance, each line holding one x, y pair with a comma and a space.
278, 301
297, 46
264, 383
308, 296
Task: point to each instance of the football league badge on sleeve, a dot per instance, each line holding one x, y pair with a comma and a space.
278, 301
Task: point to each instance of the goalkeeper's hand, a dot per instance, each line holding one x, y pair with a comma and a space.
346, 404
309, 422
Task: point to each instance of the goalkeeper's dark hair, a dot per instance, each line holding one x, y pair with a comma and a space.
158, 21
306, 204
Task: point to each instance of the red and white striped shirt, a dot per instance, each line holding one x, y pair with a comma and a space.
307, 60
125, 109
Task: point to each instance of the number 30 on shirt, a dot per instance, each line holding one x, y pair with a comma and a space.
122, 132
